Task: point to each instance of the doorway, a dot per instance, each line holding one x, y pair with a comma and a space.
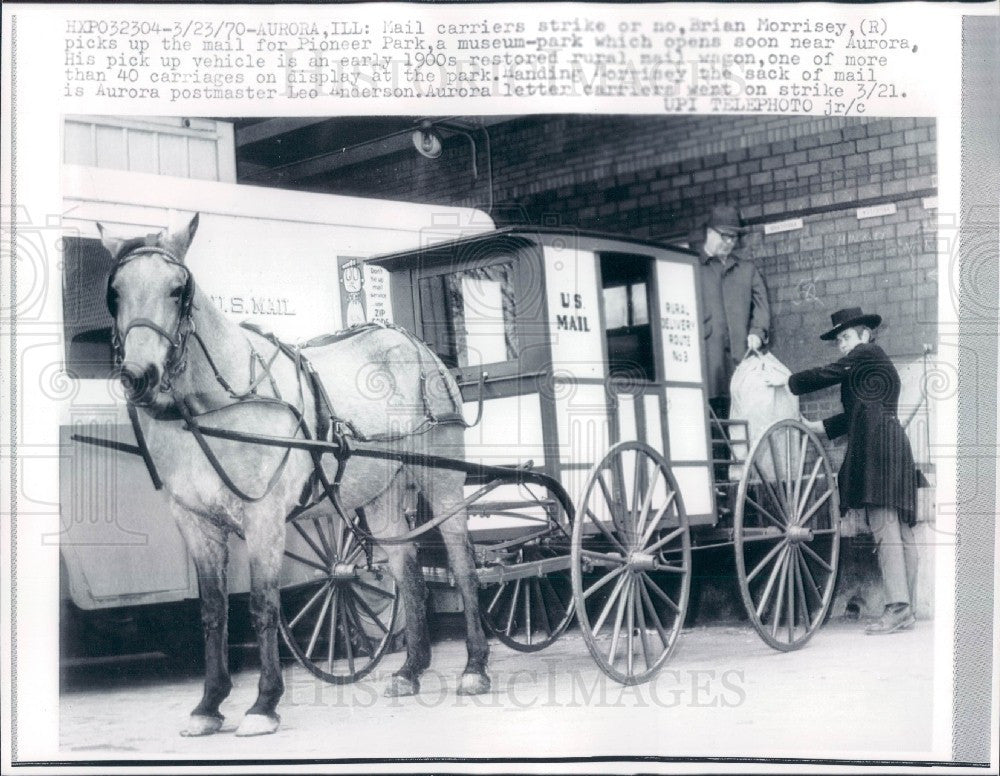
625, 281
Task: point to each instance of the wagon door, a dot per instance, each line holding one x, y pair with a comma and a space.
678, 344
655, 378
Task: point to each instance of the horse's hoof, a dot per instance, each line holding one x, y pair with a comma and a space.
473, 684
401, 687
202, 725
258, 725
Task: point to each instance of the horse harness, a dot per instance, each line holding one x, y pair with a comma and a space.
329, 427
176, 355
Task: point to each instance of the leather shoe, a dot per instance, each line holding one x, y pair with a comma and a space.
892, 621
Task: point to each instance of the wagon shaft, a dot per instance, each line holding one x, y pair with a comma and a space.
500, 573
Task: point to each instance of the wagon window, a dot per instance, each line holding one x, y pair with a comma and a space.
625, 291
626, 305
468, 317
86, 322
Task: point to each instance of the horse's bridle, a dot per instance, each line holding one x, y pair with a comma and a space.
177, 353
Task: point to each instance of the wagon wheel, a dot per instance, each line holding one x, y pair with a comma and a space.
529, 613
630, 524
787, 535
337, 617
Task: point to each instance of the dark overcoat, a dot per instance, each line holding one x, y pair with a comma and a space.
878, 468
735, 302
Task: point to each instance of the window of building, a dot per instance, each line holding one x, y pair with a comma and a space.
163, 145
468, 317
86, 322
625, 290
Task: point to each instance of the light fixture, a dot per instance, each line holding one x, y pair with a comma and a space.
427, 141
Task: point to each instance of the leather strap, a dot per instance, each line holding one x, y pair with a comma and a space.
195, 429
140, 438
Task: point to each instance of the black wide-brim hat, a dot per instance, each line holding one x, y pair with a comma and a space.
848, 317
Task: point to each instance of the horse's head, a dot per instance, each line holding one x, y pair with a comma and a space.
150, 295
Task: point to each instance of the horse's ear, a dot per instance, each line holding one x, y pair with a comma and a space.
111, 244
180, 241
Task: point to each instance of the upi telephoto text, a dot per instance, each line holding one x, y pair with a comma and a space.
697, 64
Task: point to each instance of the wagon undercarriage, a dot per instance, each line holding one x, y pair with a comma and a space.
619, 562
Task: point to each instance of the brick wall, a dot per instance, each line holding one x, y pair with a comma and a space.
885, 264
650, 175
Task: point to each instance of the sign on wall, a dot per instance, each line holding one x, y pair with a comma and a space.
377, 306
364, 292
352, 281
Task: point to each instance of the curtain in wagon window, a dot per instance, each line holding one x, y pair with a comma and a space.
468, 317
480, 304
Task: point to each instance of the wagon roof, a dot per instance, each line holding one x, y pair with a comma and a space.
521, 234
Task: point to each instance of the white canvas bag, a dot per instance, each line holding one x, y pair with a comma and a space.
760, 405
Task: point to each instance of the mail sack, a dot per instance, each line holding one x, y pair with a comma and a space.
760, 405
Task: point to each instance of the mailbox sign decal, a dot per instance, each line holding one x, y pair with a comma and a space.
363, 292
377, 302
678, 321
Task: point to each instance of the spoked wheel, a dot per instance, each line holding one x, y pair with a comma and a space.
337, 617
528, 612
787, 535
631, 562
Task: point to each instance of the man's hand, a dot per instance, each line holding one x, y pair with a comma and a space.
754, 342
775, 379
816, 426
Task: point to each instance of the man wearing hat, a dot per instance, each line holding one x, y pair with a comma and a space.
737, 315
878, 475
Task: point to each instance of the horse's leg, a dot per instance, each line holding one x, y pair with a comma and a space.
444, 495
385, 518
264, 529
206, 543
413, 592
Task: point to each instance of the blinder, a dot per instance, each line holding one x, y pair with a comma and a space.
185, 325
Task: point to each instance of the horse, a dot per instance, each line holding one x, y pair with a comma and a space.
179, 354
